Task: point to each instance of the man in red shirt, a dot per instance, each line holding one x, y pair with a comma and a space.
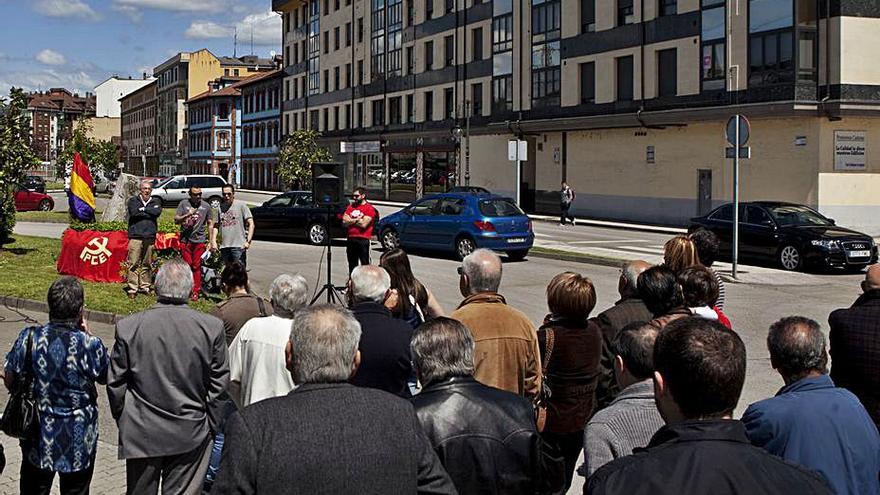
359, 217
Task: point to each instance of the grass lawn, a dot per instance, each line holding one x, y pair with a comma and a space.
28, 268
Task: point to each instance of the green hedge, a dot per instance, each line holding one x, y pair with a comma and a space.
165, 227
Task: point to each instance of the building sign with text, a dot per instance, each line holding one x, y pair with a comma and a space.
849, 150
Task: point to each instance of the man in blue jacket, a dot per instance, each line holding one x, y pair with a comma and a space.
811, 421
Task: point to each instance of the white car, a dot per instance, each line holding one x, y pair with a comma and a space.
176, 189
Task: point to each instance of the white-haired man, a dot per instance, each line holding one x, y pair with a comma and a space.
384, 343
506, 355
143, 214
256, 355
328, 436
167, 367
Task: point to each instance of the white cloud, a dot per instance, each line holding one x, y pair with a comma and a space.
76, 81
51, 57
208, 6
66, 8
132, 13
266, 28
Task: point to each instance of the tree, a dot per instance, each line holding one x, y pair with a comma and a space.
298, 151
16, 155
101, 156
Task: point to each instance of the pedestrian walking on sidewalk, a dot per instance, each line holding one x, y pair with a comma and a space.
566, 197
64, 361
191, 216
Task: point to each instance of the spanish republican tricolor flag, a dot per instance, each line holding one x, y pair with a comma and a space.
80, 196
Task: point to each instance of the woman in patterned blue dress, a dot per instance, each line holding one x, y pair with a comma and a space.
66, 362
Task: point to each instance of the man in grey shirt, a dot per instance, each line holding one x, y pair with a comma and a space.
236, 225
192, 215
632, 418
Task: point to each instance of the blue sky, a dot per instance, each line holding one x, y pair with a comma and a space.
79, 43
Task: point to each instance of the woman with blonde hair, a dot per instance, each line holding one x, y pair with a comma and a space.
571, 349
679, 253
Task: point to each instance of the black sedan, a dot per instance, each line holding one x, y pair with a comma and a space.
791, 235
293, 215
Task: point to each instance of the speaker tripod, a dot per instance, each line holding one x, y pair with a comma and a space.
334, 293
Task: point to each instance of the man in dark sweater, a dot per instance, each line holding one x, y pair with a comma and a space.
143, 212
384, 344
328, 436
628, 309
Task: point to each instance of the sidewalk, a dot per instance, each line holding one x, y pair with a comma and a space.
109, 476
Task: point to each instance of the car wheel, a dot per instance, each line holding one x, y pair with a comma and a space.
45, 205
390, 239
464, 246
214, 201
518, 255
317, 234
790, 258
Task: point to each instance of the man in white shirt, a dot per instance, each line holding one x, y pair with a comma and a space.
257, 363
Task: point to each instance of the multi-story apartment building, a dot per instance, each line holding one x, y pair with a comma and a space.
182, 77
261, 130
214, 131
53, 115
625, 99
138, 118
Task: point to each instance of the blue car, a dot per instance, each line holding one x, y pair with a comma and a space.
460, 222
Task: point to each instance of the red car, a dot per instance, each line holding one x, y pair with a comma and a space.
26, 200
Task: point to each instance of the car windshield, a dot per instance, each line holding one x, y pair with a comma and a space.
499, 208
797, 215
161, 182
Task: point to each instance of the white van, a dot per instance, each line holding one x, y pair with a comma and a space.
175, 189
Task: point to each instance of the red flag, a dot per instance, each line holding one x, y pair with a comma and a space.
82, 170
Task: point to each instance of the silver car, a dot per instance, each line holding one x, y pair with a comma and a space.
176, 189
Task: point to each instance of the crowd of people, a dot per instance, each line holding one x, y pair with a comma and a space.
395, 394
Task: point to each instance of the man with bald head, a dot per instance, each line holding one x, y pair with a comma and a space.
855, 345
506, 352
628, 309
811, 421
143, 214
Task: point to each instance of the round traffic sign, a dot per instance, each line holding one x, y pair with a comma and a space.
744, 128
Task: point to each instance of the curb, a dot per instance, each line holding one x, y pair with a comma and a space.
577, 258
12, 302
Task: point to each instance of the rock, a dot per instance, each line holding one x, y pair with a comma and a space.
126, 187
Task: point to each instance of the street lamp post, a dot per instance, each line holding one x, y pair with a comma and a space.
144, 159
457, 133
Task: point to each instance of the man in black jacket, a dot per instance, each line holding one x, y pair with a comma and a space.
855, 345
384, 345
143, 212
700, 367
628, 309
328, 436
485, 437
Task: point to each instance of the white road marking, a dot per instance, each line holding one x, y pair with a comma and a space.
613, 241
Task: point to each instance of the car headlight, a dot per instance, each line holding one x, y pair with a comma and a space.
826, 244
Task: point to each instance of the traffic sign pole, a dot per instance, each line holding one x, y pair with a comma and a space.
518, 175
737, 145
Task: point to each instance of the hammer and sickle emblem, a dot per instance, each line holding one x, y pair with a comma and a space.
96, 252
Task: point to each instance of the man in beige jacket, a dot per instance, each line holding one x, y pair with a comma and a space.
506, 355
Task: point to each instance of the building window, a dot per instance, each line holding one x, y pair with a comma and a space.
314, 77
360, 72
477, 44
668, 7
377, 40
394, 110
624, 78
335, 5
502, 94
359, 118
347, 116
410, 62
326, 80
336, 78
360, 29
410, 13
712, 33
336, 38
448, 103
378, 113
476, 99
588, 16
625, 14
449, 51
546, 71
326, 42
667, 73
395, 37
429, 106
410, 108
502, 33
429, 9
429, 55
588, 82
222, 141
546, 18
449, 6
348, 75
325, 113
336, 123
347, 34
